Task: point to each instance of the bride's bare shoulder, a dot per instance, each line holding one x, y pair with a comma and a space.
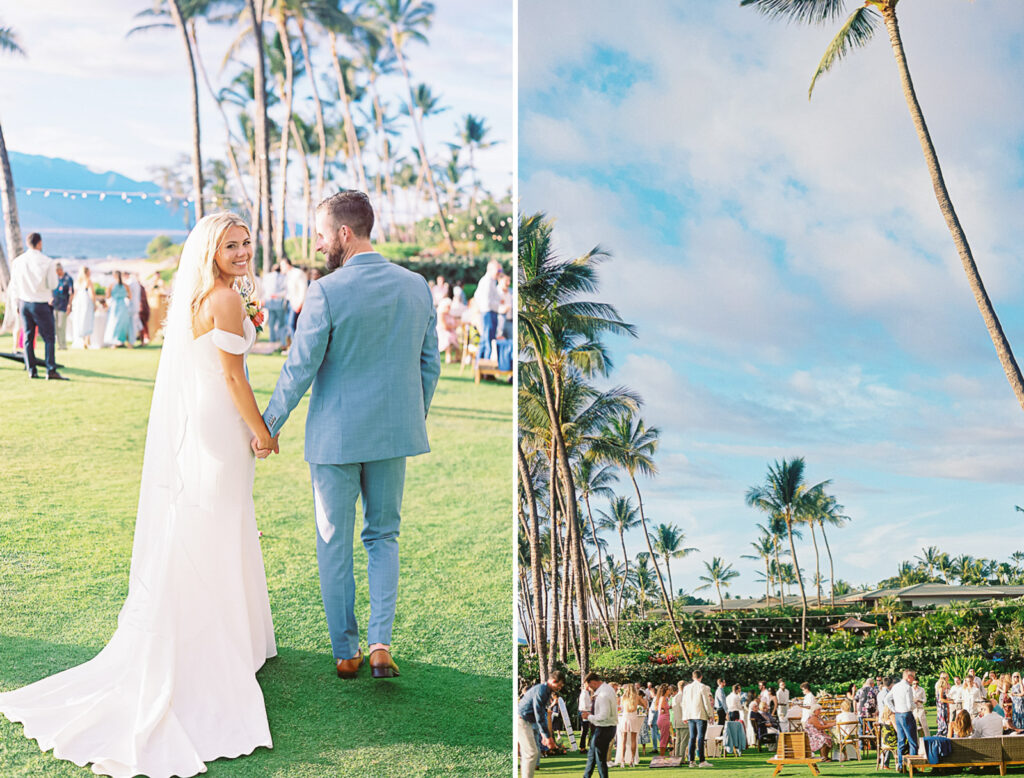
226, 308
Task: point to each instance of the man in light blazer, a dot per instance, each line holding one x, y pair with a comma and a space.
367, 341
698, 709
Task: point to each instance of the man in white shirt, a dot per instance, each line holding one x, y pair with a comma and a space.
488, 300
585, 705
901, 701
274, 288
679, 725
987, 723
698, 709
602, 718
734, 704
782, 695
33, 279
296, 284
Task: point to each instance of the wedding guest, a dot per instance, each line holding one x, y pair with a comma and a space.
439, 290
771, 707
532, 711
954, 694
970, 695
902, 704
505, 307
680, 732
274, 289
763, 694
488, 300
641, 712
721, 701
884, 692
585, 703
602, 719
846, 724
782, 695
83, 312
987, 723
761, 722
920, 700
296, 284
627, 755
447, 331
119, 314
1017, 701
315, 274
808, 702
698, 708
867, 706
662, 705
962, 725
135, 287
818, 732
887, 734
33, 279
459, 294
734, 704
63, 294
144, 313
851, 695
943, 705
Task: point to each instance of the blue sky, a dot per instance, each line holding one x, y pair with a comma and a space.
88, 93
795, 286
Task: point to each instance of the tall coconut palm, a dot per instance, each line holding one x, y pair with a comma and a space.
9, 44
718, 574
344, 73
406, 20
181, 13
929, 559
621, 517
668, 541
764, 549
829, 512
473, 134
642, 582
526, 487
595, 480
856, 32
628, 443
264, 226
783, 493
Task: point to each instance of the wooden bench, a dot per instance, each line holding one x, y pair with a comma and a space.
794, 749
975, 752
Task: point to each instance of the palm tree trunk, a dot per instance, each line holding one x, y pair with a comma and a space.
354, 151
668, 568
721, 602
229, 142
9, 206
321, 131
603, 613
657, 571
419, 140
778, 567
265, 226
307, 188
988, 313
197, 158
767, 582
622, 585
800, 580
288, 88
831, 568
384, 157
817, 563
536, 573
556, 621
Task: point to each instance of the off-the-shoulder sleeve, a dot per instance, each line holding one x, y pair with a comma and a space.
229, 342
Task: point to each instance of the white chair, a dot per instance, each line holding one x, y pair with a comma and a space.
713, 740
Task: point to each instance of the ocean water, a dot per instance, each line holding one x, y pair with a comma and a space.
102, 244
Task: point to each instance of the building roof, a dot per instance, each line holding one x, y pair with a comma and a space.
938, 590
852, 623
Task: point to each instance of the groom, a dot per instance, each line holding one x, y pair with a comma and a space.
367, 341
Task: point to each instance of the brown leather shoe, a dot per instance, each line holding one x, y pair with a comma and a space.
382, 665
349, 668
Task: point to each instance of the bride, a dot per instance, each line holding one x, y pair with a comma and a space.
176, 685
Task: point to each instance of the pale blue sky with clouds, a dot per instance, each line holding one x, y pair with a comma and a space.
795, 286
88, 93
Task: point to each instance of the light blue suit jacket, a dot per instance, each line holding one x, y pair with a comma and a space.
367, 341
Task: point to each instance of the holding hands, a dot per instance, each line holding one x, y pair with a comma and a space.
264, 448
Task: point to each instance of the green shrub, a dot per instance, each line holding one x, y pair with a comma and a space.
398, 250
957, 666
158, 245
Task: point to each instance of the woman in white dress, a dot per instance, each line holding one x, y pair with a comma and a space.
176, 685
83, 307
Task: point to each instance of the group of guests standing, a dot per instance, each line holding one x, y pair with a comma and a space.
283, 293
488, 312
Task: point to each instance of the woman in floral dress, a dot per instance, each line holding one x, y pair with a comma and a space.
1017, 700
942, 703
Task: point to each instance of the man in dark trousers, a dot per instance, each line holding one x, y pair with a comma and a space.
34, 277
602, 717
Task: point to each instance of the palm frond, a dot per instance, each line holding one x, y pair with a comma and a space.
853, 35
801, 11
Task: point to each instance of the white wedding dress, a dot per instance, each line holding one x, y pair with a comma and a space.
176, 685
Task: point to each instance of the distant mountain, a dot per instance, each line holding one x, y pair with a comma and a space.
34, 175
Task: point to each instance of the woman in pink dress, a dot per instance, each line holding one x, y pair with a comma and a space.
662, 704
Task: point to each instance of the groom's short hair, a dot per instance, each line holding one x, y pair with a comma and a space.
352, 209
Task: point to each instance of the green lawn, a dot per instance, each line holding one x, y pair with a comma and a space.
752, 764
70, 466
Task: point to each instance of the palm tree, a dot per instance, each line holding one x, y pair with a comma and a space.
182, 12
642, 582
9, 44
263, 227
473, 134
764, 548
828, 511
594, 480
621, 518
784, 493
718, 575
929, 559
526, 487
629, 443
856, 32
405, 21
668, 540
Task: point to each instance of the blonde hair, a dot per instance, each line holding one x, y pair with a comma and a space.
211, 231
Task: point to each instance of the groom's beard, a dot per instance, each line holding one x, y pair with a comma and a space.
336, 256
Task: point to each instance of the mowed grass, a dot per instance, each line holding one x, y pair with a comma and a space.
753, 764
69, 478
